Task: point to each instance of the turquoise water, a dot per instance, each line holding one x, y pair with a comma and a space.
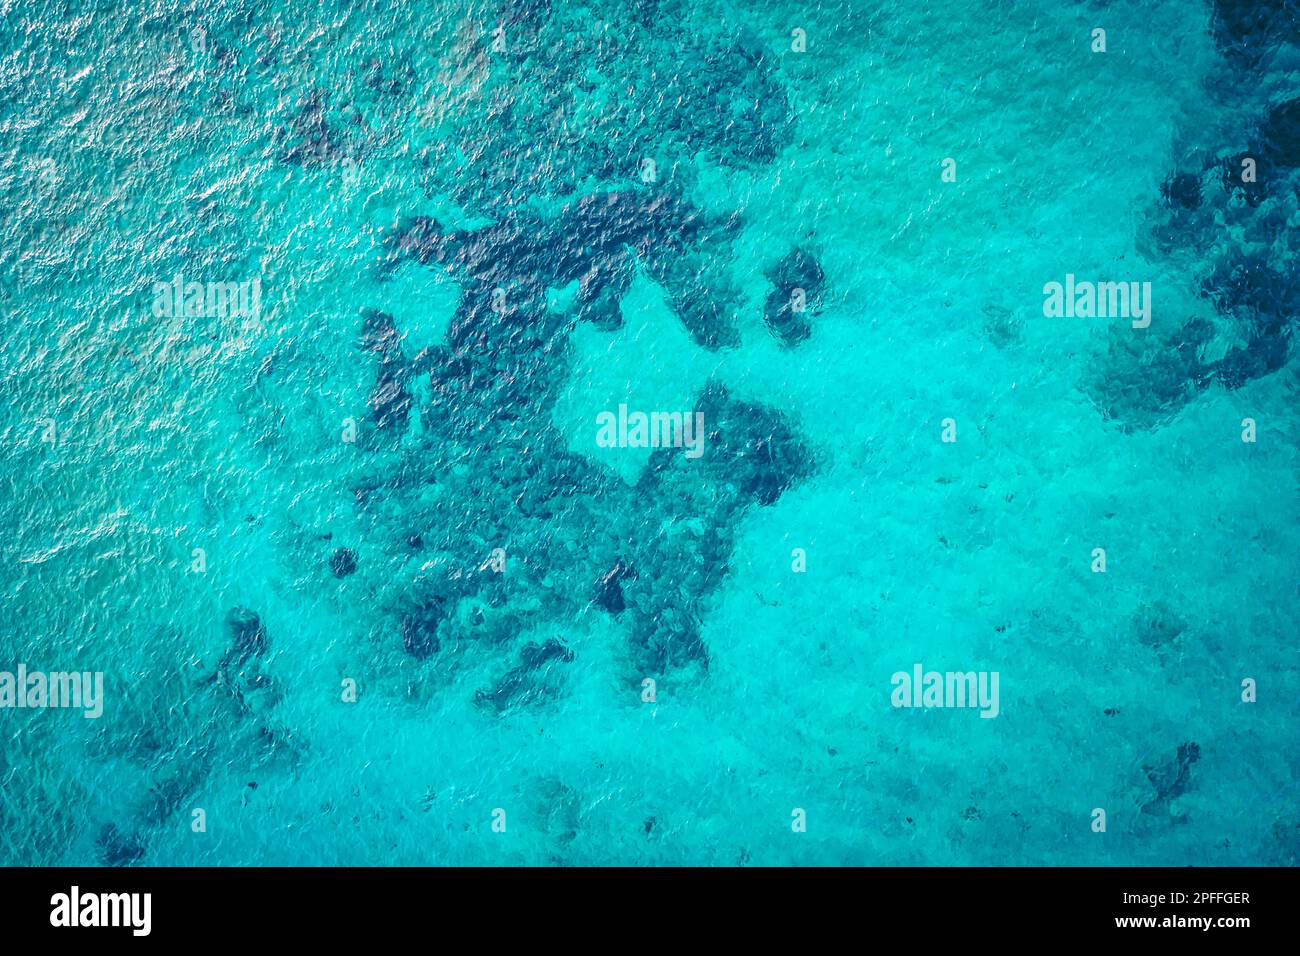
475, 227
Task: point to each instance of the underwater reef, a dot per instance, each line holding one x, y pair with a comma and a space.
1250, 281
509, 352
361, 577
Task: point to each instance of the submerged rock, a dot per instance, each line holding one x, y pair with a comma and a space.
1247, 30
1138, 386
392, 76
420, 629
240, 669
247, 633
390, 399
751, 447
117, 848
379, 333
525, 682
1182, 189
506, 268
1281, 135
751, 456
533, 655
1266, 303
609, 591
1172, 778
318, 143
797, 281
723, 101
493, 387
343, 562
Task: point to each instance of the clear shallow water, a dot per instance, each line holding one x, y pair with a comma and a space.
295, 146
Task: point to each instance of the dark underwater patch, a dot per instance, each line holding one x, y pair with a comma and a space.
226, 719
1149, 375
315, 140
390, 398
797, 281
609, 590
492, 388
1246, 30
343, 562
1171, 778
1145, 380
1281, 134
1182, 189
1264, 302
535, 129
506, 268
391, 75
247, 633
117, 848
526, 682
420, 628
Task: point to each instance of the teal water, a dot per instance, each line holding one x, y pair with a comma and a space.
463, 258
